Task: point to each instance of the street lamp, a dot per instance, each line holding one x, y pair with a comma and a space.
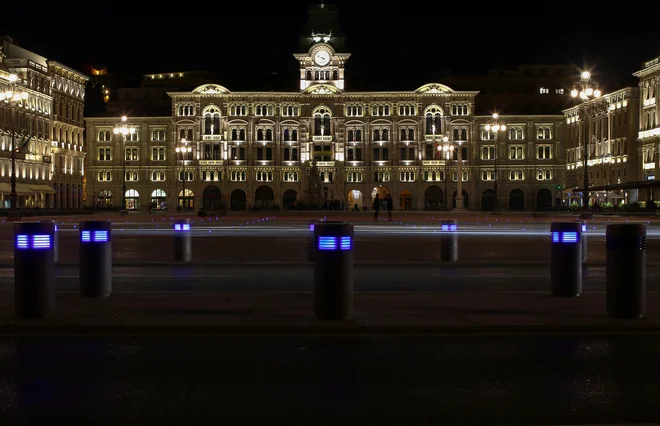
496, 127
13, 95
586, 89
124, 129
447, 149
183, 149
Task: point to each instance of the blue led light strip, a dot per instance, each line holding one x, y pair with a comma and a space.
565, 237
327, 243
37, 242
182, 227
345, 243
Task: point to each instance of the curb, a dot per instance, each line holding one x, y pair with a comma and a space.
342, 328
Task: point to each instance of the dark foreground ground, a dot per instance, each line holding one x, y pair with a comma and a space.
360, 380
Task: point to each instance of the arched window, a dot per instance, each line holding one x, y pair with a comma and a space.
358, 135
351, 136
287, 135
404, 134
260, 134
377, 134
182, 134
386, 135
411, 134
463, 134
241, 135
335, 75
234, 134
269, 134
294, 135
190, 134
433, 121
455, 133
322, 120
212, 121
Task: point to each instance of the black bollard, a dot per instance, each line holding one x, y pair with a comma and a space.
95, 258
56, 246
333, 270
448, 240
310, 243
566, 259
182, 240
625, 271
34, 269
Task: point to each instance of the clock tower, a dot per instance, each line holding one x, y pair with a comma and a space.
321, 64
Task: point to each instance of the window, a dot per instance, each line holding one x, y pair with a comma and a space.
354, 154
516, 133
407, 110
322, 120
354, 135
380, 110
238, 176
290, 135
132, 154
354, 176
465, 176
237, 153
407, 176
186, 134
187, 175
381, 135
265, 153
186, 110
559, 91
158, 135
407, 153
354, 110
290, 176
381, 154
459, 109
212, 121
407, 134
328, 177
104, 136
459, 133
158, 154
434, 176
322, 152
264, 134
544, 152
380, 176
516, 152
487, 135
104, 176
105, 154
211, 176
132, 137
158, 175
264, 110
488, 175
237, 134
488, 152
433, 121
264, 176
544, 90
132, 175
291, 154
544, 174
238, 110
516, 174
290, 110
543, 133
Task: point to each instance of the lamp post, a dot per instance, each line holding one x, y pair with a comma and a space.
124, 129
447, 150
496, 127
14, 97
586, 89
183, 149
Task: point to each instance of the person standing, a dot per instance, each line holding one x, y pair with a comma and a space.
390, 206
376, 207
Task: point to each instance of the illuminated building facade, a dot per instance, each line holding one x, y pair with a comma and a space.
648, 136
324, 143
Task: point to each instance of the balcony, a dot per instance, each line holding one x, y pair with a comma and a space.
211, 162
351, 163
264, 162
211, 138
649, 133
381, 163
237, 162
648, 166
649, 102
433, 162
325, 164
47, 159
407, 162
325, 138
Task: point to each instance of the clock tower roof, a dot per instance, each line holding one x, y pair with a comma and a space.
322, 25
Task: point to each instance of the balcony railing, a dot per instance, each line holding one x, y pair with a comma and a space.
325, 164
649, 133
211, 137
324, 138
433, 162
211, 162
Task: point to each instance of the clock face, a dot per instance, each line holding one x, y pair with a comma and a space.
322, 58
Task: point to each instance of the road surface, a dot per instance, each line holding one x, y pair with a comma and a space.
301, 277
378, 380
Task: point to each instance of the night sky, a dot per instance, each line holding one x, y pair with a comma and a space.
397, 45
